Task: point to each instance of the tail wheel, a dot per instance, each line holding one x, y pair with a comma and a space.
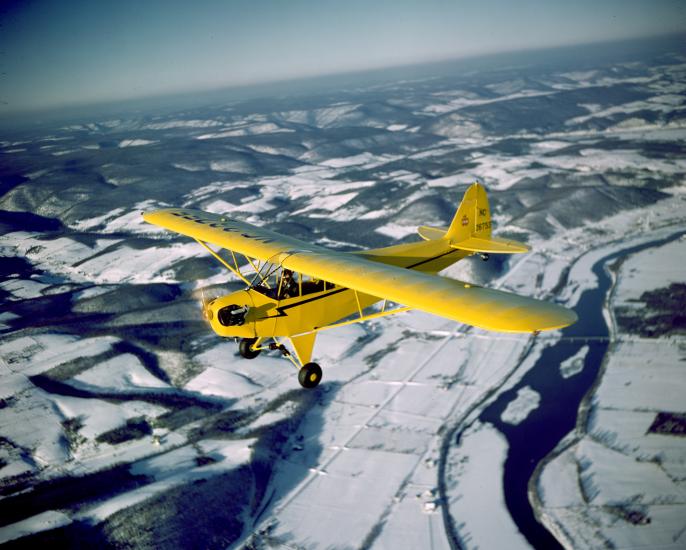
310, 375
246, 351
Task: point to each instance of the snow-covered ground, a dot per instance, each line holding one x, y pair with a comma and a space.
615, 480
91, 380
477, 501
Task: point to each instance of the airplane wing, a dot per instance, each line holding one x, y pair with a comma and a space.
240, 237
463, 302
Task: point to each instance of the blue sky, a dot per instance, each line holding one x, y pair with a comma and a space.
56, 53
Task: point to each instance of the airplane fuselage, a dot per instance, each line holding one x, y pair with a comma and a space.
268, 316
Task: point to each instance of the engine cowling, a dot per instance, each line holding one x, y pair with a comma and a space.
232, 316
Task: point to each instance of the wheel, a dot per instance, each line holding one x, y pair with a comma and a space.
245, 350
310, 375
485, 257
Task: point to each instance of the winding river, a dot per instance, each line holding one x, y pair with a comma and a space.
533, 439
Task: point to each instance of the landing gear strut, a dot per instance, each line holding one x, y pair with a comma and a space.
245, 349
310, 375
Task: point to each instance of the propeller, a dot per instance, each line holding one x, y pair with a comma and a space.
206, 311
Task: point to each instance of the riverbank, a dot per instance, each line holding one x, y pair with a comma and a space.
613, 480
566, 263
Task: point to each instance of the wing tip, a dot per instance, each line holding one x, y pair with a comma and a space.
554, 317
558, 317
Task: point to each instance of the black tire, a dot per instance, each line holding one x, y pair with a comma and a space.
310, 375
244, 348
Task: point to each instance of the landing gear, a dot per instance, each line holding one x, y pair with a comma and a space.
484, 257
310, 375
245, 349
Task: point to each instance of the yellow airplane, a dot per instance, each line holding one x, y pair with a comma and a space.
298, 289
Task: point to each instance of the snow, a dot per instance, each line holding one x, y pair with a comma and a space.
626, 230
6, 317
228, 376
131, 265
558, 485
598, 160
229, 454
610, 477
447, 181
502, 172
393, 410
136, 142
190, 167
661, 265
31, 424
123, 221
359, 479
121, 373
323, 117
55, 255
327, 202
612, 480
174, 124
99, 416
391, 387
362, 158
466, 99
240, 166
627, 431
255, 129
41, 522
644, 377
479, 504
575, 364
171, 469
31, 355
396, 231
518, 409
22, 289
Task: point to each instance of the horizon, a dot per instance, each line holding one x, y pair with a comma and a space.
315, 84
60, 56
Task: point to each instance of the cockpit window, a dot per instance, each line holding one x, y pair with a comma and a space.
282, 284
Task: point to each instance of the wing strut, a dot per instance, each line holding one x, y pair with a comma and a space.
233, 270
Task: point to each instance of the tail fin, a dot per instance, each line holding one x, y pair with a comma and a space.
470, 229
473, 217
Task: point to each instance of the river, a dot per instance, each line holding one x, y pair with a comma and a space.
532, 440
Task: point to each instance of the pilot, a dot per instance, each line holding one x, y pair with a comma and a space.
289, 288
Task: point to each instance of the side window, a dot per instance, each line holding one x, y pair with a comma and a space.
282, 284
312, 286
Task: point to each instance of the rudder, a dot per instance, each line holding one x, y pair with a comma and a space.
473, 216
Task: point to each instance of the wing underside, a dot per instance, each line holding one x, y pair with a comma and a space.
470, 304
474, 305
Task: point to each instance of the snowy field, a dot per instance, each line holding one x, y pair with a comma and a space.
617, 480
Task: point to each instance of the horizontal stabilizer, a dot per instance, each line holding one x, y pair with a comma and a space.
491, 245
429, 233
487, 245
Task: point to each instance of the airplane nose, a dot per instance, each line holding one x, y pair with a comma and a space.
232, 315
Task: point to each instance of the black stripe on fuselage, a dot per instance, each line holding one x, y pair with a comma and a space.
428, 260
281, 309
